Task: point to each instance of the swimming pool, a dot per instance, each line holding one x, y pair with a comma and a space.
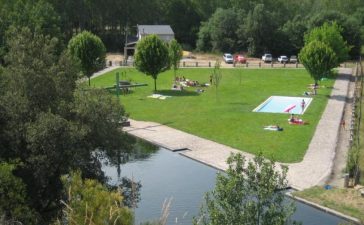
284, 104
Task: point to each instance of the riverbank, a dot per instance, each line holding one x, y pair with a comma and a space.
346, 203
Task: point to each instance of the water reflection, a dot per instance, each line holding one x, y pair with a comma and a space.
139, 150
163, 174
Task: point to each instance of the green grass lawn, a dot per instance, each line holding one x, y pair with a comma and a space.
347, 201
229, 119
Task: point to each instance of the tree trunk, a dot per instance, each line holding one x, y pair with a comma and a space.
89, 81
155, 84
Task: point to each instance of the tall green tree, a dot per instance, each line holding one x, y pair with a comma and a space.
220, 31
175, 55
349, 27
259, 30
151, 57
90, 51
330, 35
39, 16
318, 58
48, 125
247, 194
185, 20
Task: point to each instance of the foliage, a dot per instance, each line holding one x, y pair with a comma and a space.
234, 122
318, 59
89, 50
248, 194
349, 27
294, 30
151, 57
184, 18
113, 20
38, 16
329, 34
259, 30
216, 76
175, 55
352, 163
49, 125
204, 38
221, 31
89, 202
344, 200
131, 192
13, 197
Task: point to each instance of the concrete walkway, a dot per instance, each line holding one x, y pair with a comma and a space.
315, 168
106, 70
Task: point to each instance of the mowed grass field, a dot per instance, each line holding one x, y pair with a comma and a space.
228, 118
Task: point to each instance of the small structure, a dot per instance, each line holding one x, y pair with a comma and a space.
164, 32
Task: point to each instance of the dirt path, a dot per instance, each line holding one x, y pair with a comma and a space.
338, 172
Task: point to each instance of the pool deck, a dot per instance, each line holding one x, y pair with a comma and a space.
313, 170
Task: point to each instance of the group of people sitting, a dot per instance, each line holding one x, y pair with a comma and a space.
295, 120
181, 82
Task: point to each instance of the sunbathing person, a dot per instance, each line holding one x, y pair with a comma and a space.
273, 127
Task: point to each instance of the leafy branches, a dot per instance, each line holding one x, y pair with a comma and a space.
247, 194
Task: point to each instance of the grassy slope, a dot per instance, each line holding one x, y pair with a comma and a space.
228, 120
347, 201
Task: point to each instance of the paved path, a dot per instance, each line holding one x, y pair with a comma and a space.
313, 170
102, 72
317, 164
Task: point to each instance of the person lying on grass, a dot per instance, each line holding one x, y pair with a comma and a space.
273, 127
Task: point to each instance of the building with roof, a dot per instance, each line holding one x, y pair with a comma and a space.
164, 32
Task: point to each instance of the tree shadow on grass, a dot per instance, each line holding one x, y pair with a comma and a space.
177, 93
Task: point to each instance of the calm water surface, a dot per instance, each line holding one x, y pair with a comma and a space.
165, 174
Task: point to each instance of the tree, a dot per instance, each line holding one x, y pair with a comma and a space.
216, 77
220, 31
89, 202
330, 35
175, 55
13, 198
38, 16
318, 59
349, 24
183, 16
151, 57
49, 125
249, 193
259, 30
90, 51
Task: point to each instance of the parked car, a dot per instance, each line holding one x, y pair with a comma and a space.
293, 59
283, 59
239, 59
228, 58
267, 58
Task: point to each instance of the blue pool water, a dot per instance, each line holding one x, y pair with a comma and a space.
281, 104
165, 174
